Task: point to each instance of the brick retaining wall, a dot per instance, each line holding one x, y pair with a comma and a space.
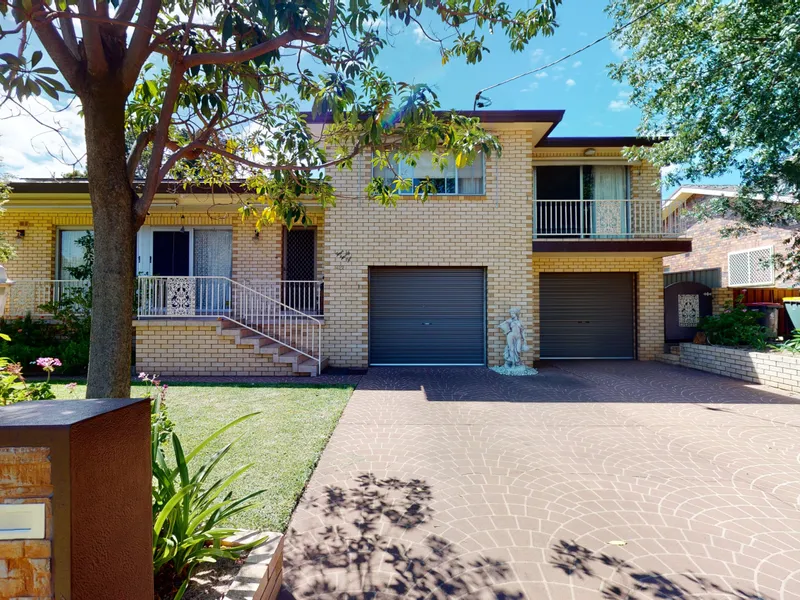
774, 369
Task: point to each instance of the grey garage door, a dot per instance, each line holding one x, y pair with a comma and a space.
587, 315
427, 316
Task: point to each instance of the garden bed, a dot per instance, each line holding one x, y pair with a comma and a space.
776, 369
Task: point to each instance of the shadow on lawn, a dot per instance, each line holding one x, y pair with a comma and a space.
360, 554
631, 583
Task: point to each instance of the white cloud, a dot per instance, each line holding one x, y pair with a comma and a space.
576, 64
536, 55
621, 102
619, 50
31, 149
583, 34
570, 82
541, 75
419, 35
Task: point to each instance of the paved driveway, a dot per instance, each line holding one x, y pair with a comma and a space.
602, 480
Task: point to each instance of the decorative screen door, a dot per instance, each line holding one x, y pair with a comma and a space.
213, 257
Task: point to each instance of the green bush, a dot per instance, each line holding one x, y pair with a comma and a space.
189, 503
736, 325
32, 338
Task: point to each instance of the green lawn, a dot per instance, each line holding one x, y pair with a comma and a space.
283, 442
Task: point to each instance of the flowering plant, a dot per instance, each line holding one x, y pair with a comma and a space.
14, 388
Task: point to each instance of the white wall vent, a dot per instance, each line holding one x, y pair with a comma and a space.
751, 267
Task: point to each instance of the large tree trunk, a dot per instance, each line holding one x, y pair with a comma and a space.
114, 242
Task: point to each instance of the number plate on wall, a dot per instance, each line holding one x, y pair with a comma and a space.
21, 521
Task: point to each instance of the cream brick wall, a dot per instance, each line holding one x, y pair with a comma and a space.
491, 231
774, 369
649, 293
194, 348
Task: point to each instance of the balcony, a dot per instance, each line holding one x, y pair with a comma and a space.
607, 225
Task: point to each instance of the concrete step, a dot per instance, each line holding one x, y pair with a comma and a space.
670, 359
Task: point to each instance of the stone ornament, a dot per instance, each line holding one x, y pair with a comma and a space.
516, 344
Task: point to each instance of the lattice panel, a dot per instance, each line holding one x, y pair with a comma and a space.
751, 267
688, 310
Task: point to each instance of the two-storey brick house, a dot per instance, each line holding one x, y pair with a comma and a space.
564, 228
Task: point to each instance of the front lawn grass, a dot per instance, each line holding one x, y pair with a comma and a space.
283, 442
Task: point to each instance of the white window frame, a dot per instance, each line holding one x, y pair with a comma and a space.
457, 192
58, 243
750, 282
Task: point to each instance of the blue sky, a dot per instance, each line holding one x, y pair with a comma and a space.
594, 104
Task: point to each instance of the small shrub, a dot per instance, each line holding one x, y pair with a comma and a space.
189, 503
791, 345
737, 325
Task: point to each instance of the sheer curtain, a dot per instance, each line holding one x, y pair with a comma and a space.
611, 213
213, 256
470, 178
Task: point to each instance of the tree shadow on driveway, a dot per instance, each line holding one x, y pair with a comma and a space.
380, 545
627, 582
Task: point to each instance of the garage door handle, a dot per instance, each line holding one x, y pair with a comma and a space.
427, 323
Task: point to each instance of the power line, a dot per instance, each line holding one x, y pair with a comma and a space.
570, 55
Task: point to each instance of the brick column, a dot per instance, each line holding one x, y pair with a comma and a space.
719, 296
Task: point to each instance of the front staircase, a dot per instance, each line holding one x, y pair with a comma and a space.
251, 317
301, 363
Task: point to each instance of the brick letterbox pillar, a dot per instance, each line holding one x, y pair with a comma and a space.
82, 471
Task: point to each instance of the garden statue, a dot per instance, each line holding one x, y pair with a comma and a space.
516, 343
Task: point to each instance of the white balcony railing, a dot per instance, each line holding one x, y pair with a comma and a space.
30, 296
603, 219
177, 297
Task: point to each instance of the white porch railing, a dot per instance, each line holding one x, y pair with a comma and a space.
602, 219
176, 297
305, 296
29, 295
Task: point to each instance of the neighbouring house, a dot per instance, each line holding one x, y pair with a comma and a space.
564, 228
719, 267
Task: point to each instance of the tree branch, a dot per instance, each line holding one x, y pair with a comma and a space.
126, 10
160, 139
256, 165
68, 33
69, 66
142, 140
139, 47
92, 42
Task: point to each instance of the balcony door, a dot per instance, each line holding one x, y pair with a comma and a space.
582, 201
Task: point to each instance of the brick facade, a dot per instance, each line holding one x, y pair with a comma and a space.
194, 348
710, 249
25, 564
493, 231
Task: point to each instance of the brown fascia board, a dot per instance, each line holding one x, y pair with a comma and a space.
486, 116
598, 142
81, 186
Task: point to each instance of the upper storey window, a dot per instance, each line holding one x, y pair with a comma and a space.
443, 175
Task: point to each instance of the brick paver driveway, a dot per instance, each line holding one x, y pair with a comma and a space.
592, 480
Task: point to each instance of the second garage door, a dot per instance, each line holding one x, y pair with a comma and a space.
587, 315
427, 316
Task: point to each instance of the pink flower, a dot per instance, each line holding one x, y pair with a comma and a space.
48, 364
142, 375
71, 386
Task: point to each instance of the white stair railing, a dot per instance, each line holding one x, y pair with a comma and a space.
222, 297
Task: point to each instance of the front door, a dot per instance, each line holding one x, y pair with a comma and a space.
299, 289
171, 253
685, 303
